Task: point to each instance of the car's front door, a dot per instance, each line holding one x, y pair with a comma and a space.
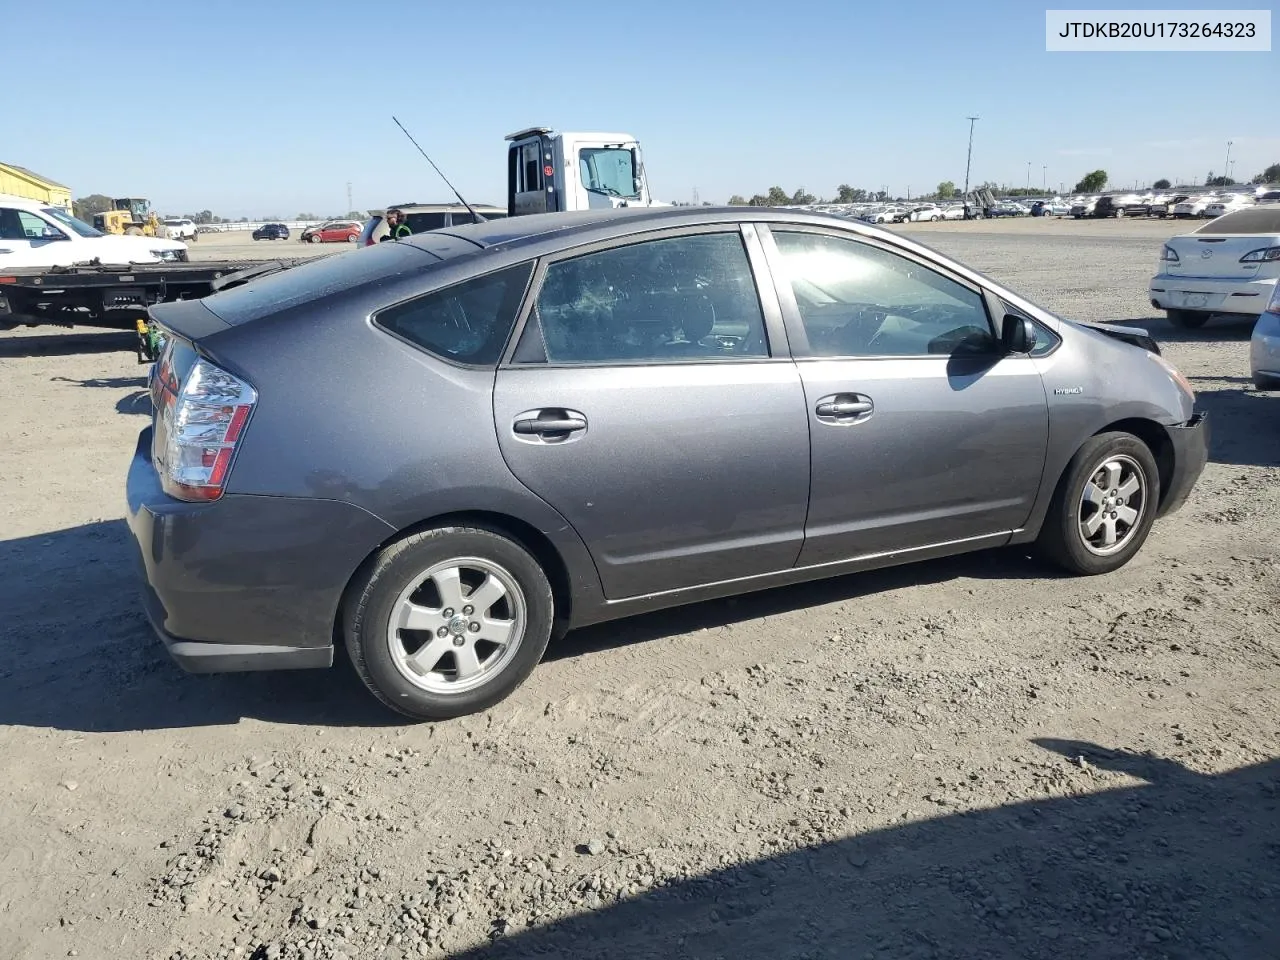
924, 432
649, 398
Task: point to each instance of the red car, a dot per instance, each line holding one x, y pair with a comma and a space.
334, 231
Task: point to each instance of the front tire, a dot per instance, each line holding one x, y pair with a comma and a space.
315, 238
1104, 506
449, 621
1188, 319
1262, 382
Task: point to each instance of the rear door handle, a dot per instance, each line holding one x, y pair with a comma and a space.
552, 425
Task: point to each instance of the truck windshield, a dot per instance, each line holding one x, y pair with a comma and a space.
609, 170
70, 222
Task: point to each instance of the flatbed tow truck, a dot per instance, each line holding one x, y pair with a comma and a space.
115, 296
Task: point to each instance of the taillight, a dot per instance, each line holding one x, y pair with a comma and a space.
1263, 255
203, 423
1169, 254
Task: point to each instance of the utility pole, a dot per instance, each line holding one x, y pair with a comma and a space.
1226, 166
969, 161
695, 196
350, 206
1044, 178
1028, 175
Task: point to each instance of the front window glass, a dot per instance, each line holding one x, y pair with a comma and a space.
609, 170
70, 222
678, 299
858, 300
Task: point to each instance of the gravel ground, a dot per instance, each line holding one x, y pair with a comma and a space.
960, 759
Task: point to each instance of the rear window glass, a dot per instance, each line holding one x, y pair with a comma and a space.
466, 323
419, 222
316, 279
1255, 220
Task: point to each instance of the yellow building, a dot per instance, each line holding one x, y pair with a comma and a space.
21, 182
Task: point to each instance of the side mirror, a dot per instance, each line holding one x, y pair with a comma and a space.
49, 233
1017, 334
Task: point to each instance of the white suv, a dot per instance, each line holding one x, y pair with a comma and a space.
180, 228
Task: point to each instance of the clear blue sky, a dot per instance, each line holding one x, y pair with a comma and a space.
252, 109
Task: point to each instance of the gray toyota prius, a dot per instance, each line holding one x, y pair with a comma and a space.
444, 450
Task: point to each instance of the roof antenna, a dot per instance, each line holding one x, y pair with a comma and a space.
470, 209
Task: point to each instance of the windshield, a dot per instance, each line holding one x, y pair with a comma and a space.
609, 170
70, 222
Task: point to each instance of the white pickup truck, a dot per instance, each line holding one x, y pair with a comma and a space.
35, 234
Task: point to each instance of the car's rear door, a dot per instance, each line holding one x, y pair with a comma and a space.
923, 432
651, 400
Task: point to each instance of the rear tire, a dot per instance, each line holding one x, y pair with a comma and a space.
1112, 474
1188, 319
414, 669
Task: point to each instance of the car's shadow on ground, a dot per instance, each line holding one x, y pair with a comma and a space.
16, 344
1010, 563
1244, 426
76, 652
1220, 327
1183, 867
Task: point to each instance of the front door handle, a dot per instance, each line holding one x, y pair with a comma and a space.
844, 408
550, 425
566, 425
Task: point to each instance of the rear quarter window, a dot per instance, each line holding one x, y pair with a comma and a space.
466, 323
421, 222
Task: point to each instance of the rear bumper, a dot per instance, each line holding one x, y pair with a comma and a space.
245, 582
1190, 453
1222, 295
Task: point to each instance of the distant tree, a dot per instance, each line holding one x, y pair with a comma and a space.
758, 200
1269, 175
737, 201
946, 190
848, 194
86, 207
309, 216
352, 215
1219, 182
880, 195
778, 197
1162, 184
1092, 182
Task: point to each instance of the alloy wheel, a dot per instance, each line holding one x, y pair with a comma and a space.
1112, 505
457, 625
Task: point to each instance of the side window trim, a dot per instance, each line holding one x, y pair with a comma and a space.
798, 338
527, 347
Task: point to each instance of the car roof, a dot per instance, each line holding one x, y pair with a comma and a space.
563, 227
441, 207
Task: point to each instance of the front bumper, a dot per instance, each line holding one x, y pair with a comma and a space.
1190, 453
1220, 295
1264, 347
244, 582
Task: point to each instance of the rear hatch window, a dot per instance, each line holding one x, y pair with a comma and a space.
315, 279
1258, 221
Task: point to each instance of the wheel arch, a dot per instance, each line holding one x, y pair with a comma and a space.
549, 557
1149, 431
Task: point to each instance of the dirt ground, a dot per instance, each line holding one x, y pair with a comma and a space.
969, 758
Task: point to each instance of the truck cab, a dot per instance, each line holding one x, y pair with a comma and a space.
549, 172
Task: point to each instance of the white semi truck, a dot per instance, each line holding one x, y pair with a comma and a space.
549, 172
